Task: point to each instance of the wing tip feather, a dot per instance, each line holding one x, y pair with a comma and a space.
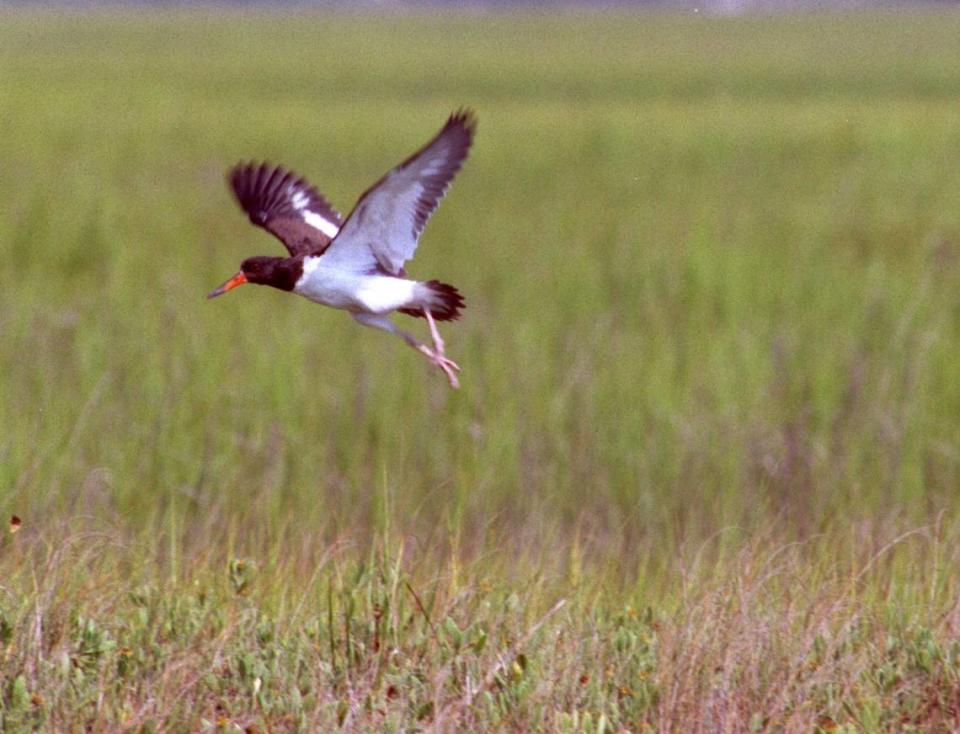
464, 117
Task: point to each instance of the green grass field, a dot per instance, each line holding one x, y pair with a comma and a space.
703, 472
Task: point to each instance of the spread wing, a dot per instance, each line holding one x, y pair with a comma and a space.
285, 205
384, 227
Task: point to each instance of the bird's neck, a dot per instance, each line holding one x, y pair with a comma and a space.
283, 273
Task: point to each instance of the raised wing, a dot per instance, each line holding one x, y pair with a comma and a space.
384, 227
285, 205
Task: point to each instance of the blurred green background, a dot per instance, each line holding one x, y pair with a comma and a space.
711, 267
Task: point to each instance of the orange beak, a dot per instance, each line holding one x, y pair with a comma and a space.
238, 279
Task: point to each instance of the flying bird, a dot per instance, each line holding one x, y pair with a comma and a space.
357, 264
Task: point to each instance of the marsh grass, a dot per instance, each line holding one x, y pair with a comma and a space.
772, 638
703, 470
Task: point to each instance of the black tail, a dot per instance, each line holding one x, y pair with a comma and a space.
443, 300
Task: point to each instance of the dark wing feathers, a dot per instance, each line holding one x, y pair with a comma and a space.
384, 228
457, 136
285, 205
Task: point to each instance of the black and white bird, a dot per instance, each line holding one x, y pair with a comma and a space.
357, 264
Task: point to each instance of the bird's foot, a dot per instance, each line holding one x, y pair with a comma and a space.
438, 359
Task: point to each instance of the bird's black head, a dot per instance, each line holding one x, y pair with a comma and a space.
279, 272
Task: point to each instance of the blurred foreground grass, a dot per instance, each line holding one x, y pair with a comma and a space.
711, 378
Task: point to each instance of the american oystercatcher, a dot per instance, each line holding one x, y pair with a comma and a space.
357, 264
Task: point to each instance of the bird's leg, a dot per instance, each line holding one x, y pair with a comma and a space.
437, 355
437, 358
438, 345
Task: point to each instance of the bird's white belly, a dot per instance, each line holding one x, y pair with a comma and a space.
354, 291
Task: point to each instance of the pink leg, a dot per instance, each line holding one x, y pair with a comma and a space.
434, 332
436, 355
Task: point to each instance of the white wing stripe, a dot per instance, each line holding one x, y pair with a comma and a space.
299, 200
319, 222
